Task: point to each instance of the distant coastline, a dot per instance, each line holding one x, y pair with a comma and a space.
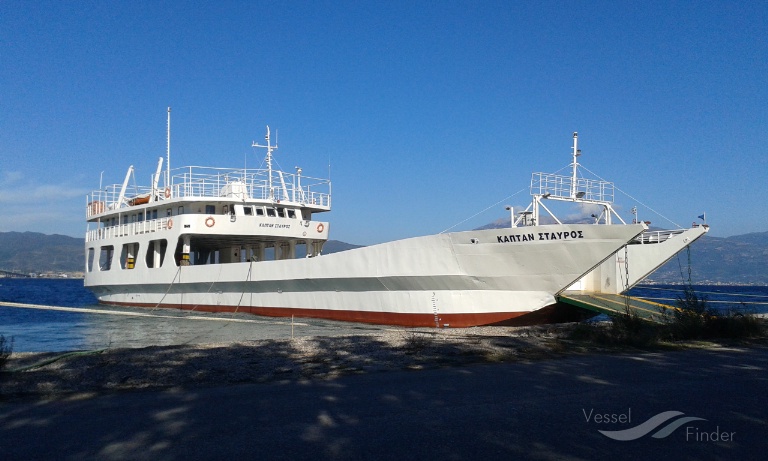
7, 274
705, 283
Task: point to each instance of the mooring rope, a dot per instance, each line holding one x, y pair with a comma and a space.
178, 272
247, 279
483, 211
633, 198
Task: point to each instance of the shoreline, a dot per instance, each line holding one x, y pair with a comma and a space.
44, 375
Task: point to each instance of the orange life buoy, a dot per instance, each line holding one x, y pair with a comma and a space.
320, 227
210, 221
170, 224
167, 192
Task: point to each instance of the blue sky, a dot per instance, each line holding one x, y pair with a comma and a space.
428, 112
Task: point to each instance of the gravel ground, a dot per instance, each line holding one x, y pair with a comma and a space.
35, 375
320, 357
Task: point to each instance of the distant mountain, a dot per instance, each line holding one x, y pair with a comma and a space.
335, 246
740, 259
35, 252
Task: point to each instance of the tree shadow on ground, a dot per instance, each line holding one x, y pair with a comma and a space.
262, 361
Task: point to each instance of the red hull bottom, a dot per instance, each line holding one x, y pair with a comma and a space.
378, 318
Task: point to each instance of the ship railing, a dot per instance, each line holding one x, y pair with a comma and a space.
108, 199
656, 236
207, 182
561, 187
127, 230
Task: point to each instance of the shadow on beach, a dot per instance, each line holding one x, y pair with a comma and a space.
262, 361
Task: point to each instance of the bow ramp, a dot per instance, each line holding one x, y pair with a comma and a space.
612, 304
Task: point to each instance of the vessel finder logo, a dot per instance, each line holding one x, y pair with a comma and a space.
661, 425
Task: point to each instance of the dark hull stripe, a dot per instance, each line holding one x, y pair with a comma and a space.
379, 318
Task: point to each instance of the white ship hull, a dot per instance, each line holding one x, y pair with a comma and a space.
455, 279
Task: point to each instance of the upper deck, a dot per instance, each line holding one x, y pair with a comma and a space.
196, 183
560, 187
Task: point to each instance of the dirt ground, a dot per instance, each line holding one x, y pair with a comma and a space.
43, 375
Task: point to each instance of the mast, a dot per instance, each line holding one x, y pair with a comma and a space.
168, 151
576, 153
270, 148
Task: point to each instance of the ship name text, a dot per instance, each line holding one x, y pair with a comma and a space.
541, 236
275, 226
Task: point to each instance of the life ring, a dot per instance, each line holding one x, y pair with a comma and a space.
320, 227
210, 221
167, 192
170, 224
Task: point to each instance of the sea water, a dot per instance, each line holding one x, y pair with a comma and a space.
45, 330
723, 298
42, 330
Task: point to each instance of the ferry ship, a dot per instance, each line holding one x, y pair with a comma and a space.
248, 240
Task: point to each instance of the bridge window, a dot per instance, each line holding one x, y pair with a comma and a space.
271, 212
248, 211
292, 214
259, 211
281, 212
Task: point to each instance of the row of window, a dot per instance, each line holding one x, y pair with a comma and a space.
246, 210
154, 255
271, 212
153, 258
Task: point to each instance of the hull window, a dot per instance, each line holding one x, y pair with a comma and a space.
105, 257
128, 255
156, 253
89, 263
